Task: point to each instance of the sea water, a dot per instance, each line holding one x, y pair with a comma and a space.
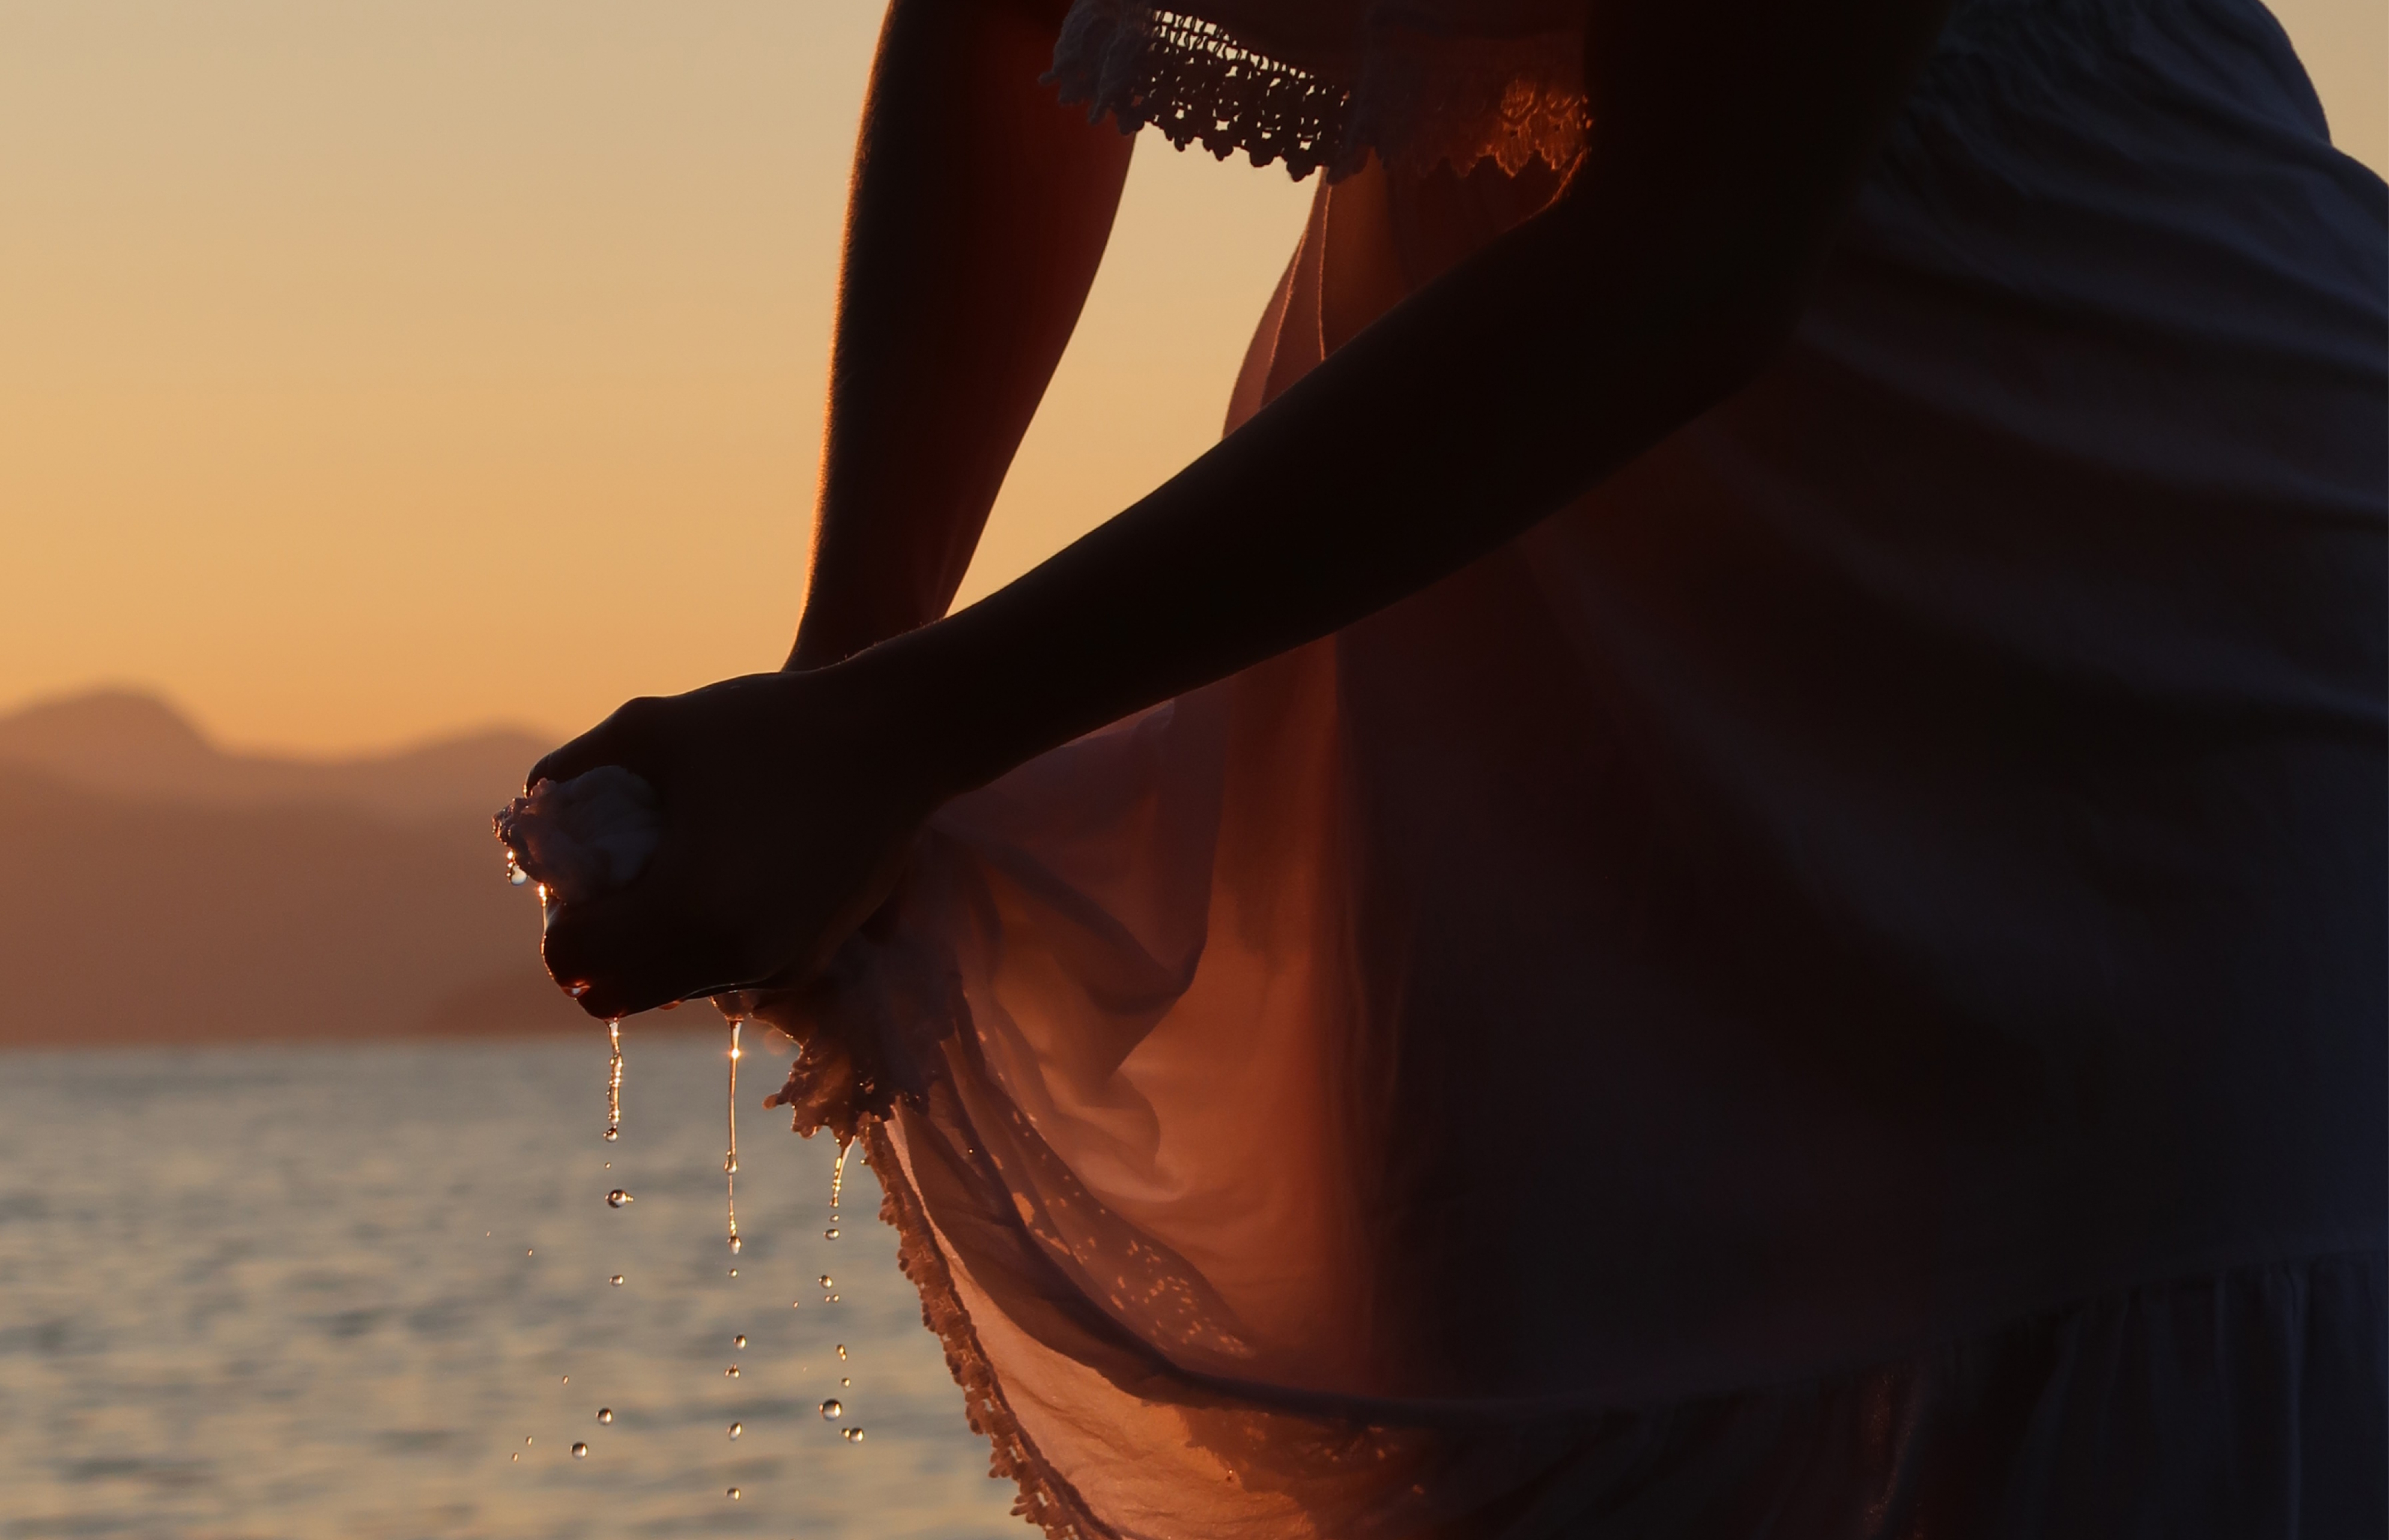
365, 1291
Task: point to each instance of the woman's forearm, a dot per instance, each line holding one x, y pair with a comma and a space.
1664, 276
1448, 426
978, 217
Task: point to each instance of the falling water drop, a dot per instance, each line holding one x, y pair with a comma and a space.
618, 1198
830, 1234
732, 1372
735, 1493
739, 1341
852, 1436
581, 1451
616, 1281
567, 1379
516, 1458
737, 1428
841, 1350
605, 1414
737, 1244
832, 1410
834, 1298
847, 1383
826, 1280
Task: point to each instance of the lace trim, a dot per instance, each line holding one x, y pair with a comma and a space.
1419, 99
1045, 1500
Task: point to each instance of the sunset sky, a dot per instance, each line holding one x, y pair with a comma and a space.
374, 370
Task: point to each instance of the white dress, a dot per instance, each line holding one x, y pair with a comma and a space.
1835, 987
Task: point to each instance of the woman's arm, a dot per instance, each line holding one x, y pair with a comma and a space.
978, 216
1729, 136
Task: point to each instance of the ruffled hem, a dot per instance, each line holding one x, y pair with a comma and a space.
1046, 1499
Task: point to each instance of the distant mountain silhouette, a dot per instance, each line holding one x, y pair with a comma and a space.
137, 746
153, 886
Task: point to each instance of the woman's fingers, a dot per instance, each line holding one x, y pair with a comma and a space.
626, 956
623, 738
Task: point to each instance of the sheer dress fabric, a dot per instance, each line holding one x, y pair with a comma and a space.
1834, 988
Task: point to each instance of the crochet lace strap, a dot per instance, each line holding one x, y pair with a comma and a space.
1417, 96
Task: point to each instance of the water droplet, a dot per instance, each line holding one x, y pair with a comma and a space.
517, 877
739, 1341
613, 1134
605, 1414
832, 1410
826, 1280
526, 1439
729, 1164
841, 1350
834, 1298
830, 1234
516, 1458
732, 1371
843, 1380
616, 1281
567, 1379
576, 991
581, 1451
737, 1428
526, 1250
852, 1436
735, 1493
734, 1272
616, 1198
737, 1244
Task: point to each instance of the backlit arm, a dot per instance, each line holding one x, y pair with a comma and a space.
978, 216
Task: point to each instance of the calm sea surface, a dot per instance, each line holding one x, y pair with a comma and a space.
329, 1292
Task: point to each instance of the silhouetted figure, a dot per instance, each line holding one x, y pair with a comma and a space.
1721, 874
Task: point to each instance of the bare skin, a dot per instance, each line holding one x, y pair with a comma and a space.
1730, 136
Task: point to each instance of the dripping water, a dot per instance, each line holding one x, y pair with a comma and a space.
837, 1181
730, 1159
614, 1080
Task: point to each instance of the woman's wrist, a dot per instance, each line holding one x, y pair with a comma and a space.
889, 698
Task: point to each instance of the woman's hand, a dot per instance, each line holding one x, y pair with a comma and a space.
790, 803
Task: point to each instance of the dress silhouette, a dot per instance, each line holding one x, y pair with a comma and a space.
1832, 987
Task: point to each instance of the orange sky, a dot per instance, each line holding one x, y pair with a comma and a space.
375, 368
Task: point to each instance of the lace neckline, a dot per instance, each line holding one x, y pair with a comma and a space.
1414, 97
